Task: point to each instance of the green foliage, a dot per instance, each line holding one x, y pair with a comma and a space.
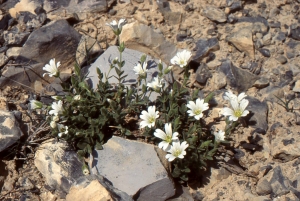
91, 116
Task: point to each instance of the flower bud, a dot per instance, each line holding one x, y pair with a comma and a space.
53, 124
77, 97
55, 119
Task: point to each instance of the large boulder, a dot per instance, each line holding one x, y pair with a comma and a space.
134, 168
56, 40
143, 38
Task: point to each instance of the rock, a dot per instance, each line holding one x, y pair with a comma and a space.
15, 38
142, 175
237, 78
293, 48
295, 33
189, 7
261, 83
285, 147
32, 21
260, 113
88, 48
267, 39
281, 59
242, 40
18, 7
13, 52
253, 67
133, 35
263, 187
273, 24
274, 183
95, 188
10, 131
3, 59
55, 40
59, 167
297, 86
4, 21
75, 6
202, 74
278, 182
271, 92
181, 37
235, 6
274, 12
218, 80
214, 14
131, 58
258, 24
280, 37
294, 67
265, 52
204, 47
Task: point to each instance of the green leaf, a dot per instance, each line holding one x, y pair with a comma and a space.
143, 59
98, 146
209, 97
83, 85
81, 145
127, 132
186, 170
205, 144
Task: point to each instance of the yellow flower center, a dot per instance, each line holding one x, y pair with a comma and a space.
197, 111
182, 62
151, 120
238, 113
177, 152
168, 139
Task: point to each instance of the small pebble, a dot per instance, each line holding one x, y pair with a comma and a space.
282, 59
265, 52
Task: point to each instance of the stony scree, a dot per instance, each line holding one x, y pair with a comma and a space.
245, 46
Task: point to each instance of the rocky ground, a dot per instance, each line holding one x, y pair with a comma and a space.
251, 46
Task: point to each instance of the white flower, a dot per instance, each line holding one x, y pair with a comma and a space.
62, 130
239, 109
167, 136
181, 58
155, 84
52, 68
149, 117
77, 97
53, 124
177, 150
34, 104
117, 26
57, 108
197, 108
140, 70
219, 136
229, 96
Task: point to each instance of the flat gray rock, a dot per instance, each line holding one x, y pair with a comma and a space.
9, 130
215, 14
131, 58
134, 168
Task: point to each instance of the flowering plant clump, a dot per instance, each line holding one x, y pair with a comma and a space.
175, 121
